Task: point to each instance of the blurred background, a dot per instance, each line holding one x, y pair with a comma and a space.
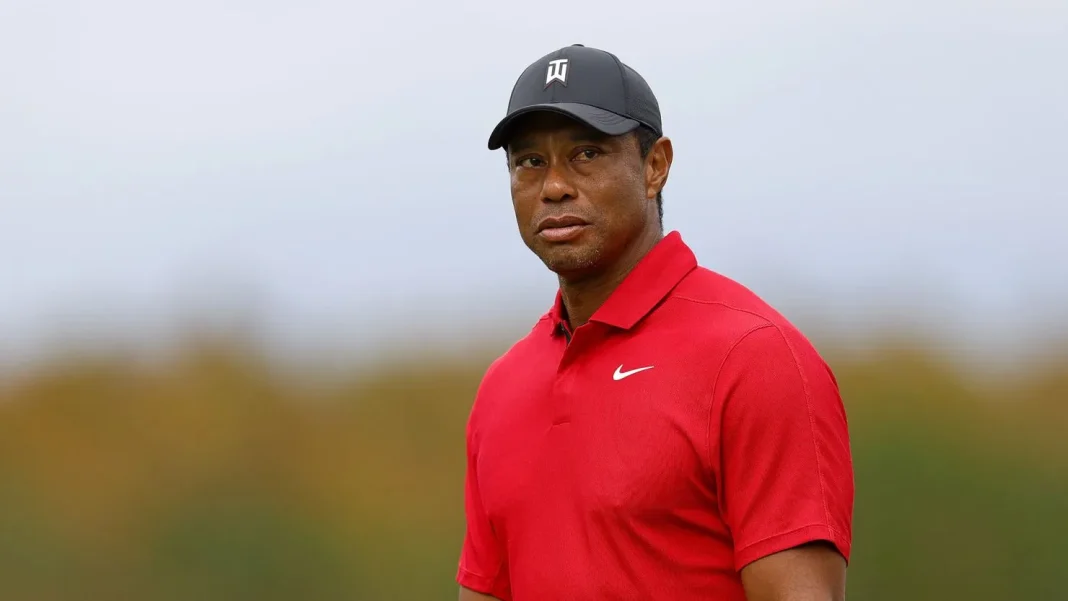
254, 258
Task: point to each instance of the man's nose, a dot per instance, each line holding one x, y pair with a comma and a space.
557, 186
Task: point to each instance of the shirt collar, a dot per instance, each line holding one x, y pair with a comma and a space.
655, 275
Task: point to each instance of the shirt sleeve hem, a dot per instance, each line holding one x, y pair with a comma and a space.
787, 540
475, 582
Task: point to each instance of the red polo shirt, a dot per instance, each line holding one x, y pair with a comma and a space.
687, 430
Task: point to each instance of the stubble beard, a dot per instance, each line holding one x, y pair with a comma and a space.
572, 261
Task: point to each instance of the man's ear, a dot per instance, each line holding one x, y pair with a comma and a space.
657, 166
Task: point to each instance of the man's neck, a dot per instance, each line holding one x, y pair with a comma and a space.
582, 297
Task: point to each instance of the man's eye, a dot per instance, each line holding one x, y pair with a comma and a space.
587, 154
529, 162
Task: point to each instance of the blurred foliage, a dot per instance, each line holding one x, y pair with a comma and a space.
212, 476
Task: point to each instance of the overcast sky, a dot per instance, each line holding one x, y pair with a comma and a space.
325, 165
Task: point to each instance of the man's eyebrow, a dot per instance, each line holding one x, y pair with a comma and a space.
521, 144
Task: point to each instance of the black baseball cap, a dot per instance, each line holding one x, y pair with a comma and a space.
587, 84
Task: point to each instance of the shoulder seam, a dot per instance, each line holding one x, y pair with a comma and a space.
728, 306
811, 426
808, 406
715, 383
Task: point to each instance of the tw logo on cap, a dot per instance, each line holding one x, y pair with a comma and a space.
557, 72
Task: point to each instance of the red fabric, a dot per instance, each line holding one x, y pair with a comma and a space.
483, 566
783, 462
665, 483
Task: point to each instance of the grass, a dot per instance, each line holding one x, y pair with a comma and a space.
213, 476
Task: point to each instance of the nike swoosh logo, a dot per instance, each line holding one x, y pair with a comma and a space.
620, 374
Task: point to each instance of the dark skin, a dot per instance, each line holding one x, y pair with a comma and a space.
560, 167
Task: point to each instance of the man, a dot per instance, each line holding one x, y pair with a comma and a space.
661, 433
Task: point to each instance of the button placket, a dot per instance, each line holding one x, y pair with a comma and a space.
570, 367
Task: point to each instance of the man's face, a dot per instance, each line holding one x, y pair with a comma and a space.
580, 197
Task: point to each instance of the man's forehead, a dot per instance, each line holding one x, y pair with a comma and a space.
531, 128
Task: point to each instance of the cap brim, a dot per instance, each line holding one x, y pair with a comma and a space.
606, 122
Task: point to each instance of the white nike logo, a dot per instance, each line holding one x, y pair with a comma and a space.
620, 374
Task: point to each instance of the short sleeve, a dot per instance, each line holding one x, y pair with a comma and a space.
482, 560
780, 445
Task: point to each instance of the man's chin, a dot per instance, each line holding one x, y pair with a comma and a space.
569, 262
